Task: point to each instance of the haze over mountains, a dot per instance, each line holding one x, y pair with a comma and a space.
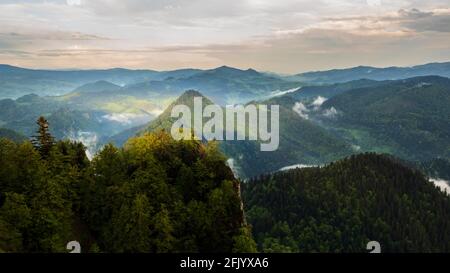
324, 115
16, 81
373, 73
388, 117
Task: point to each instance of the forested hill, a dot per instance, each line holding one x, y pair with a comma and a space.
343, 206
154, 195
12, 135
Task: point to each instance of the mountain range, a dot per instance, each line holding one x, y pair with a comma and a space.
372, 73
322, 118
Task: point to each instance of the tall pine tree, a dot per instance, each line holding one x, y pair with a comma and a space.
43, 141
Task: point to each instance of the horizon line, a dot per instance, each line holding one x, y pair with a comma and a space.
217, 67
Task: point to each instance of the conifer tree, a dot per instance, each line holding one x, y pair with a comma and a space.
43, 141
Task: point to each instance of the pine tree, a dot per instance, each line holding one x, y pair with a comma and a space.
43, 141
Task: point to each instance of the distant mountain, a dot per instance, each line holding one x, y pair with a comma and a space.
321, 121
373, 73
224, 85
99, 86
25, 107
408, 118
176, 74
330, 90
301, 141
163, 121
16, 81
89, 126
344, 205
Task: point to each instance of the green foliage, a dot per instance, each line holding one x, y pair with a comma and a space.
243, 242
34, 198
154, 195
161, 195
343, 206
12, 135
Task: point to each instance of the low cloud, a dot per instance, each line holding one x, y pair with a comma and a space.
319, 101
52, 36
297, 166
301, 110
278, 93
89, 140
443, 185
127, 118
234, 167
330, 113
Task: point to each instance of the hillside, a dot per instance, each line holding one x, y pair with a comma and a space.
12, 135
99, 86
155, 195
301, 141
408, 118
344, 205
330, 90
163, 121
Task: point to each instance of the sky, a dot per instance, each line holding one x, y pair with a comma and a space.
283, 36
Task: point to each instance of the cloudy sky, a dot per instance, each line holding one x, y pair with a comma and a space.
286, 36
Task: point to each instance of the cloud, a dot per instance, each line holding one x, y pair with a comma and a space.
278, 93
233, 166
301, 110
374, 3
428, 21
125, 118
73, 2
89, 140
51, 35
404, 20
330, 113
443, 185
297, 166
319, 101
288, 36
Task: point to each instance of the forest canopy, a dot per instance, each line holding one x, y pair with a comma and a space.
344, 205
154, 195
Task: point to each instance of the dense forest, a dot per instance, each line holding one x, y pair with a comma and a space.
160, 195
153, 195
346, 204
